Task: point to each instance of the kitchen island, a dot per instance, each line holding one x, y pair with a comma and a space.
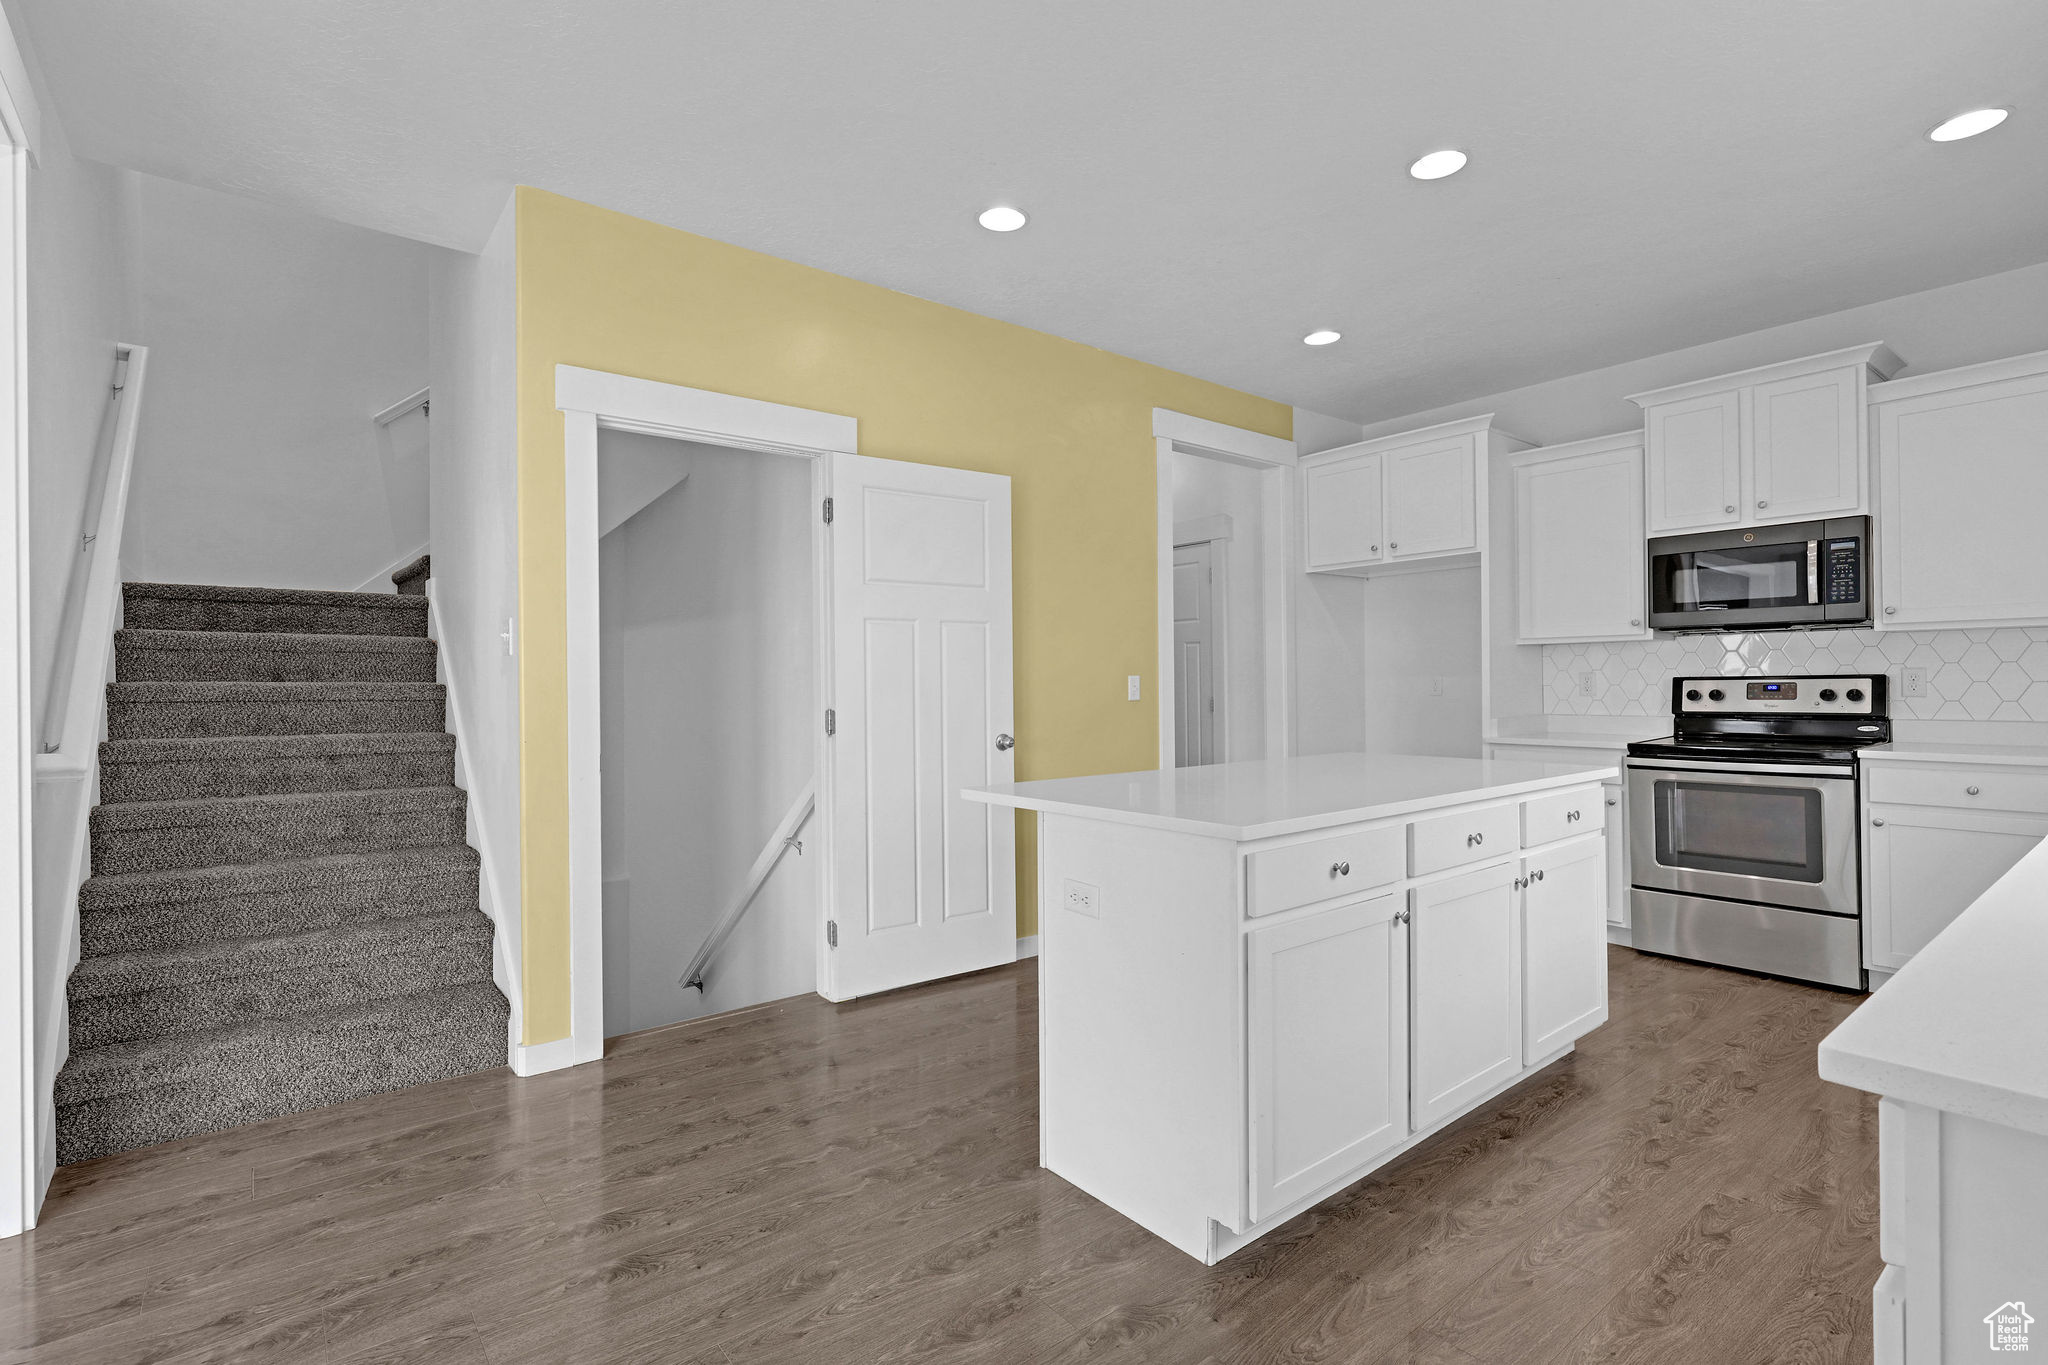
1259, 981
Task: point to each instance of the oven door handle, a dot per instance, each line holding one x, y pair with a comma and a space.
1709, 768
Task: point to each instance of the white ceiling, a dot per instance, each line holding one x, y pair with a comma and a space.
1207, 180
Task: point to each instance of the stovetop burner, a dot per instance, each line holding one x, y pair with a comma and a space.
1773, 719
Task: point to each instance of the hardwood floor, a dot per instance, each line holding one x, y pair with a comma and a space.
815, 1183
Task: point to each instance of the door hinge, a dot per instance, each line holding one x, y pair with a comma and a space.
831, 933
828, 511
831, 721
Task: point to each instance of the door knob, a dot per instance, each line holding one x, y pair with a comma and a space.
1005, 742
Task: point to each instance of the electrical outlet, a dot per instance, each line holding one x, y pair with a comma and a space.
1081, 898
1131, 688
1915, 682
1588, 685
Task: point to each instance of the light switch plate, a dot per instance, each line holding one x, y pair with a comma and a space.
1131, 688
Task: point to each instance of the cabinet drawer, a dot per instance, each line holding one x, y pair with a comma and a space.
1546, 819
1968, 788
1281, 878
1454, 840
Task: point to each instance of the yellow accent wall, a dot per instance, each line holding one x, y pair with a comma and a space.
1070, 425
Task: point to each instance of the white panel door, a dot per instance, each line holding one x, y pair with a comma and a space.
1464, 991
1806, 451
1342, 509
923, 882
1432, 501
1564, 946
1328, 1002
1580, 548
1194, 655
1927, 866
1693, 458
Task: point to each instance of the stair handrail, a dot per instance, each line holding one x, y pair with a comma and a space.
92, 589
780, 842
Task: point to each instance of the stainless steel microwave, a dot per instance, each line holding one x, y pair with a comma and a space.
1798, 573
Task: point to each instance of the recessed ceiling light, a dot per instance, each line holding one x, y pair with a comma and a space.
1969, 125
1002, 218
1437, 165
1321, 338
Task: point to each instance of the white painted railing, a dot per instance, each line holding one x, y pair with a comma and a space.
783, 839
74, 722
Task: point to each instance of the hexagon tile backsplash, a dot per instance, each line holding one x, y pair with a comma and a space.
1971, 674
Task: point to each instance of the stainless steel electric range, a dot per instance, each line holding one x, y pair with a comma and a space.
1743, 827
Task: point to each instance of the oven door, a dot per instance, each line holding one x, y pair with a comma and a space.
1770, 834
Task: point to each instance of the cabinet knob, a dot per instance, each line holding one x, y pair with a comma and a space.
1761, 504
1973, 791
1636, 621
1474, 840
1729, 508
1375, 549
1890, 611
1340, 869
1877, 820
1536, 876
1613, 800
1521, 883
1570, 816
1393, 545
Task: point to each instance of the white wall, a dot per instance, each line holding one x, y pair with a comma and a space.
1329, 628
274, 337
1421, 692
475, 531
1960, 324
707, 739
1207, 488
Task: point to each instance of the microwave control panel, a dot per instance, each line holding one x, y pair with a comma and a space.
1844, 572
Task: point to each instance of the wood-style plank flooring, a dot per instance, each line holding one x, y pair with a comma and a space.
815, 1183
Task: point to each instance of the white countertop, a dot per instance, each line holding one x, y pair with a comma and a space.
1963, 1027
1922, 751
1287, 795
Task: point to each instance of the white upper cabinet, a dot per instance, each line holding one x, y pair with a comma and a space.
1780, 443
1417, 496
1962, 461
1579, 546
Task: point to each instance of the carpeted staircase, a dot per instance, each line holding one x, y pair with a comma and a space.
282, 913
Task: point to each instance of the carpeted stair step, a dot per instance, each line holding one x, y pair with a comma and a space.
183, 769
166, 710
130, 996
147, 836
246, 656
139, 911
411, 581
126, 1095
196, 606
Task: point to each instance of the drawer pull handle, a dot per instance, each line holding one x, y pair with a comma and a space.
1474, 840
1340, 869
1973, 791
1877, 820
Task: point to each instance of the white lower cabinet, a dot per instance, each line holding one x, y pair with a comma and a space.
1328, 1047
1464, 990
1927, 864
1564, 936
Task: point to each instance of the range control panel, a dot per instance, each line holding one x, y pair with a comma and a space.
1833, 696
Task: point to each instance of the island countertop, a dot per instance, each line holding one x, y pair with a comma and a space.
1267, 797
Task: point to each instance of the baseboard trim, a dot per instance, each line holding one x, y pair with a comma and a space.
1027, 947
531, 1059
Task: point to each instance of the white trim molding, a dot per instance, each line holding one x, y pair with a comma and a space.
21, 118
1178, 433
1027, 946
591, 400
1200, 529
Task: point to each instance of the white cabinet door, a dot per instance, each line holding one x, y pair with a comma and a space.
1432, 502
923, 882
1927, 866
1617, 855
1464, 991
1806, 451
1962, 480
1328, 1004
1693, 462
1564, 946
1579, 546
1342, 508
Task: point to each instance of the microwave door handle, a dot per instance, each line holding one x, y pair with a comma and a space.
1813, 573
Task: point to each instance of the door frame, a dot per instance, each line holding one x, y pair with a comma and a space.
591, 401
1179, 433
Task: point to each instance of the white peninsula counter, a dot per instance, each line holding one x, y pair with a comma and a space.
1259, 981
1957, 1046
